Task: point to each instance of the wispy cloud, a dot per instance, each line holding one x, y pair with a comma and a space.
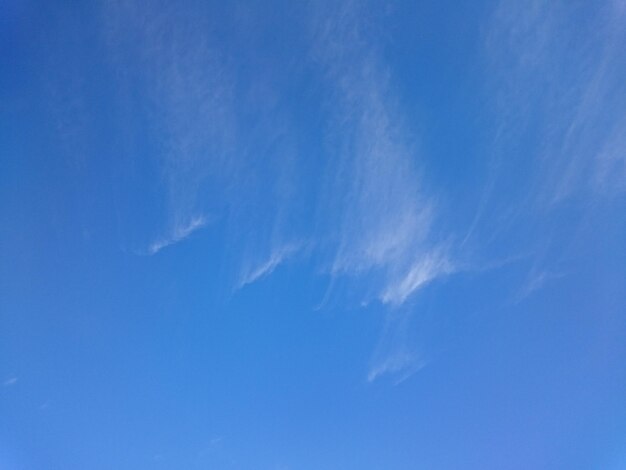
179, 234
400, 364
554, 81
536, 280
378, 213
266, 267
223, 142
560, 86
427, 268
174, 98
399, 353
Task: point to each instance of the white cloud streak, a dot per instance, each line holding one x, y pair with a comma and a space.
378, 213
178, 235
424, 270
381, 217
175, 99
268, 266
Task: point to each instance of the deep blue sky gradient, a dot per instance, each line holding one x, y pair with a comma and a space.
312, 235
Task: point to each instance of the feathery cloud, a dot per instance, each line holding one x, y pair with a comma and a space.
179, 234
268, 266
377, 212
427, 268
175, 99
381, 217
560, 81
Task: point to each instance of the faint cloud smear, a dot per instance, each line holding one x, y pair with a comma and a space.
555, 83
560, 84
398, 354
179, 234
400, 365
10, 382
536, 281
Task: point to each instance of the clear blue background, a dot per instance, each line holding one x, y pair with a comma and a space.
312, 235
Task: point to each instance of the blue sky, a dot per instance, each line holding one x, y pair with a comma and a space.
313, 235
